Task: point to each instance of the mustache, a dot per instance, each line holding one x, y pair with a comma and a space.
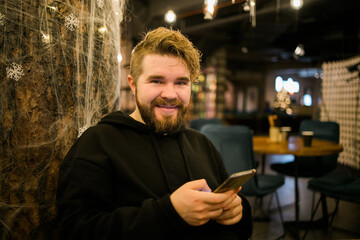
162, 101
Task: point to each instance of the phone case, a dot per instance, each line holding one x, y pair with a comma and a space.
235, 181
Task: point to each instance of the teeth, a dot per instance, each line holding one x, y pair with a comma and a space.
168, 106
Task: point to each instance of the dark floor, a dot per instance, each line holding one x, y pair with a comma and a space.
346, 223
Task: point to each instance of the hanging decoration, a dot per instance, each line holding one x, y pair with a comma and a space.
71, 22
253, 13
15, 71
72, 81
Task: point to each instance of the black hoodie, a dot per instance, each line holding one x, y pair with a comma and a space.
116, 181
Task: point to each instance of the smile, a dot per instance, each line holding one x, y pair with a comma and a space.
167, 106
167, 109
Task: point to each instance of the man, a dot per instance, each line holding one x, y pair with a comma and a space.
146, 175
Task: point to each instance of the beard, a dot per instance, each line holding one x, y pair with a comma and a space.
168, 124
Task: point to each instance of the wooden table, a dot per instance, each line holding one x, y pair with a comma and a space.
262, 145
294, 146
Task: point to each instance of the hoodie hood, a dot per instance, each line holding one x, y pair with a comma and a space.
120, 118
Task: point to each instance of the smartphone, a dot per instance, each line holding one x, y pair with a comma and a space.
235, 180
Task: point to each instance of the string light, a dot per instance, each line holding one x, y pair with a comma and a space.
52, 8
102, 29
296, 4
45, 37
170, 16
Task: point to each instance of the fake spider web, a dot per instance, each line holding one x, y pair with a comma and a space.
58, 76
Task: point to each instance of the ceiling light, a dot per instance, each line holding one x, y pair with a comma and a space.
209, 9
299, 50
246, 6
170, 16
296, 4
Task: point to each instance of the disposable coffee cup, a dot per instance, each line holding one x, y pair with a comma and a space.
274, 133
307, 137
284, 132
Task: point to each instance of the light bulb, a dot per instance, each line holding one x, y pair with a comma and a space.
209, 9
210, 2
102, 29
299, 50
170, 16
296, 4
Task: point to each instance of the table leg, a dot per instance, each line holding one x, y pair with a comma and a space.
325, 217
296, 173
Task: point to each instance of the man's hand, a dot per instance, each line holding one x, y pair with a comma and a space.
194, 202
232, 213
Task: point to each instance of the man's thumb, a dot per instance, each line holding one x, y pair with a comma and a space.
200, 185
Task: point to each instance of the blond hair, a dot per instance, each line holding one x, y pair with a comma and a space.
165, 41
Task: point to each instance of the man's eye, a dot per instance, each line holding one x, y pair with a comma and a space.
182, 83
155, 81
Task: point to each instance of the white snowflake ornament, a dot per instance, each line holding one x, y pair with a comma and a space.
2, 19
15, 72
71, 22
100, 3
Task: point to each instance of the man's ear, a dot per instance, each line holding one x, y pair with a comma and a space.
132, 83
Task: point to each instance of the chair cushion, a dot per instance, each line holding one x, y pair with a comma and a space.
337, 184
307, 167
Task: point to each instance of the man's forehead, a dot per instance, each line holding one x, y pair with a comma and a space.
164, 59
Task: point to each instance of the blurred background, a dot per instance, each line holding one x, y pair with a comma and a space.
251, 49
63, 65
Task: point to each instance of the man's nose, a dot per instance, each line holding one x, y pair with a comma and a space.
169, 91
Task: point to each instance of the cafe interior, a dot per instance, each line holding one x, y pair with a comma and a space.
278, 92
278, 68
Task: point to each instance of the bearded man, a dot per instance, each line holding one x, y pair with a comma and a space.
145, 175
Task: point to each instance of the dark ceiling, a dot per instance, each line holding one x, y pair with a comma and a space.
328, 29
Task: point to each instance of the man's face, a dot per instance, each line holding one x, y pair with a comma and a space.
163, 92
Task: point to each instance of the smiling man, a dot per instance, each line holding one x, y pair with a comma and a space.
162, 92
145, 175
